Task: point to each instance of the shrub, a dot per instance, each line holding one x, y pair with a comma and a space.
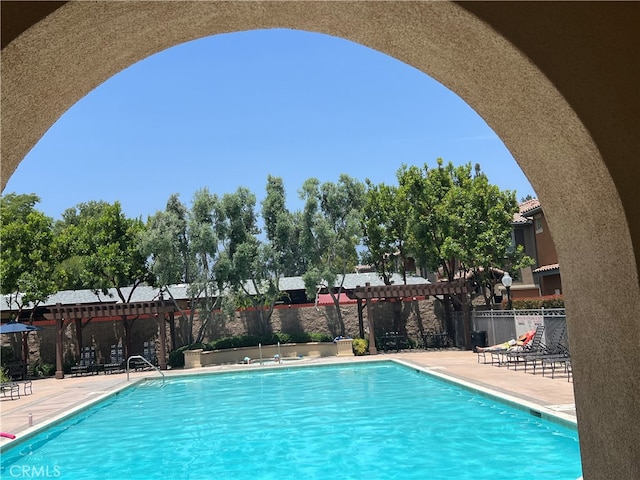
6, 354
320, 337
240, 341
360, 346
38, 369
176, 358
549, 301
237, 341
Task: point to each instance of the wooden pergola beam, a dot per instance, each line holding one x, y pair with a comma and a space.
98, 310
60, 312
401, 291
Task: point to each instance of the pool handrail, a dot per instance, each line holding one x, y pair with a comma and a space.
140, 357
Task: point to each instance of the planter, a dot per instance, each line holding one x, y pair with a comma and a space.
200, 358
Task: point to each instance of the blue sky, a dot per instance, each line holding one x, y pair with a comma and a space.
226, 111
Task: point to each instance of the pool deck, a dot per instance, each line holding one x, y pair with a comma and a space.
52, 399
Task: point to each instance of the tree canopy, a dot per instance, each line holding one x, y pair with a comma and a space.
26, 263
461, 224
450, 219
97, 248
182, 245
331, 232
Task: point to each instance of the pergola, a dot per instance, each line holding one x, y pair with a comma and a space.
369, 292
152, 309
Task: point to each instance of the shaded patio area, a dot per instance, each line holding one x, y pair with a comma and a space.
125, 312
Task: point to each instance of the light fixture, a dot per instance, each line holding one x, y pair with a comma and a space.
507, 281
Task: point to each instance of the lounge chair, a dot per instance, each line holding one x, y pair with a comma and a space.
500, 357
555, 355
555, 347
555, 362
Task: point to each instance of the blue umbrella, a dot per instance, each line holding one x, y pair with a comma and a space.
17, 327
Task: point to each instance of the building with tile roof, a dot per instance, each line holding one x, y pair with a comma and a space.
530, 229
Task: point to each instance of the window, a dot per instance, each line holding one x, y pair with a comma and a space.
538, 223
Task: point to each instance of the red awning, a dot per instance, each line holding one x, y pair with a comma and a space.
325, 299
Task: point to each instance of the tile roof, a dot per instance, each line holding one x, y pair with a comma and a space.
520, 217
142, 293
145, 293
547, 268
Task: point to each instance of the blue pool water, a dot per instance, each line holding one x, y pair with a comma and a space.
375, 420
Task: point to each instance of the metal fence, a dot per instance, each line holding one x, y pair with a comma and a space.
503, 325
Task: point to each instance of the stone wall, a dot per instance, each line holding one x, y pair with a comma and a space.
413, 317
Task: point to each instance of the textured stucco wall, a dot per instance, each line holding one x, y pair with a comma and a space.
557, 81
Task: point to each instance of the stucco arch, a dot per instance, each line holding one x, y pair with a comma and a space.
557, 82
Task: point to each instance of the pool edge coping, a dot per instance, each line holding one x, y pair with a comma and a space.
531, 407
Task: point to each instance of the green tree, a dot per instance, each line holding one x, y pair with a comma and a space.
26, 263
461, 225
485, 217
332, 230
253, 268
102, 245
385, 227
98, 249
182, 246
282, 229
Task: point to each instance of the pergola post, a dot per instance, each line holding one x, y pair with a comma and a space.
372, 334
59, 349
162, 360
360, 319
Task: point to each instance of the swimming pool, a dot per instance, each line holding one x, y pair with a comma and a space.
376, 420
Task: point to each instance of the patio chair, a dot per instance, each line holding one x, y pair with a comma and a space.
27, 386
394, 341
555, 355
17, 370
436, 340
10, 389
149, 354
534, 347
116, 360
87, 364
